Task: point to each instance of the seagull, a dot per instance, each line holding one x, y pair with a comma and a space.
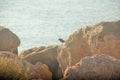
61, 40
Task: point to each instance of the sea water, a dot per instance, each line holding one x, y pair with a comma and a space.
42, 22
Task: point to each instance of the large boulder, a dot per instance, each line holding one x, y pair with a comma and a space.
14, 68
103, 38
47, 55
97, 67
8, 40
32, 51
45, 73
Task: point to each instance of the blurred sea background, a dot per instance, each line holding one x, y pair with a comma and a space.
42, 22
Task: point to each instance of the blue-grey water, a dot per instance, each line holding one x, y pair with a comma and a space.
42, 22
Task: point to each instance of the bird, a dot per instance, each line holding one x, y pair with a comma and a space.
61, 40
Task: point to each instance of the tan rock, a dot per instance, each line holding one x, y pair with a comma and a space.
8, 40
14, 68
46, 56
46, 74
103, 38
98, 67
31, 51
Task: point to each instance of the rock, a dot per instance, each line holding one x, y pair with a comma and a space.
30, 51
46, 74
46, 56
14, 68
103, 38
8, 40
98, 67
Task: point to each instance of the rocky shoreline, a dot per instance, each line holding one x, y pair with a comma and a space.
90, 53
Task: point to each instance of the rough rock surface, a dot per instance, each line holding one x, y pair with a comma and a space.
103, 38
12, 64
98, 67
46, 56
8, 40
